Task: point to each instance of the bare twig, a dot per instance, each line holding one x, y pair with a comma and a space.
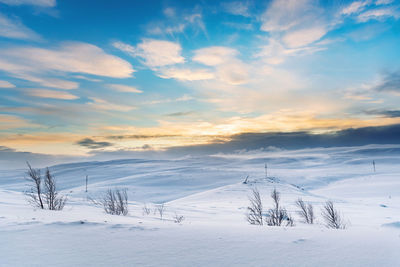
160, 208
254, 215
278, 214
306, 211
115, 202
53, 200
35, 193
146, 210
178, 218
332, 217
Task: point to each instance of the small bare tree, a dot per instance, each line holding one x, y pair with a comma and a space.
306, 211
146, 210
277, 214
255, 210
178, 218
51, 196
160, 209
332, 217
44, 197
35, 193
115, 202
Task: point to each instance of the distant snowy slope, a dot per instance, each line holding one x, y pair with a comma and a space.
166, 180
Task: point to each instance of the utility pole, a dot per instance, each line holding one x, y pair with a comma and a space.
245, 181
373, 164
86, 183
266, 171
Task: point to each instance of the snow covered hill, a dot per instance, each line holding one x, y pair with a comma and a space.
209, 193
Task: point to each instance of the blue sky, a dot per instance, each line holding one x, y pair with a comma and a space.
84, 76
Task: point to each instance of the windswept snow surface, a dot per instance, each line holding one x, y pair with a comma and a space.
208, 191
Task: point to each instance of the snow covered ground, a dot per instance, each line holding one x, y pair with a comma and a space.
208, 191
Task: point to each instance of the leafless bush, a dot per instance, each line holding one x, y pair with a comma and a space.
306, 211
115, 202
160, 209
277, 214
146, 210
51, 196
178, 218
254, 215
35, 193
332, 217
47, 196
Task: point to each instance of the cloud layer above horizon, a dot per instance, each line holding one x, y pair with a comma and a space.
78, 78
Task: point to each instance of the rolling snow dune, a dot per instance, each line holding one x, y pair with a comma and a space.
208, 191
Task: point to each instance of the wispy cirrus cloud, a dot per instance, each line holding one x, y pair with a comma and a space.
8, 122
48, 82
32, 63
363, 11
241, 8
124, 88
214, 55
178, 22
170, 100
298, 26
377, 89
6, 84
102, 104
154, 53
228, 67
81, 77
162, 56
379, 14
384, 2
288, 14
303, 37
44, 93
43, 66
186, 74
13, 28
275, 52
295, 28
40, 3
354, 7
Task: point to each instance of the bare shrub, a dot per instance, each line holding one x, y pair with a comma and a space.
332, 217
277, 214
160, 209
51, 196
306, 211
115, 202
146, 210
35, 193
311, 215
178, 218
44, 197
254, 215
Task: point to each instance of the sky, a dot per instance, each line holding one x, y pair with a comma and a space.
83, 77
